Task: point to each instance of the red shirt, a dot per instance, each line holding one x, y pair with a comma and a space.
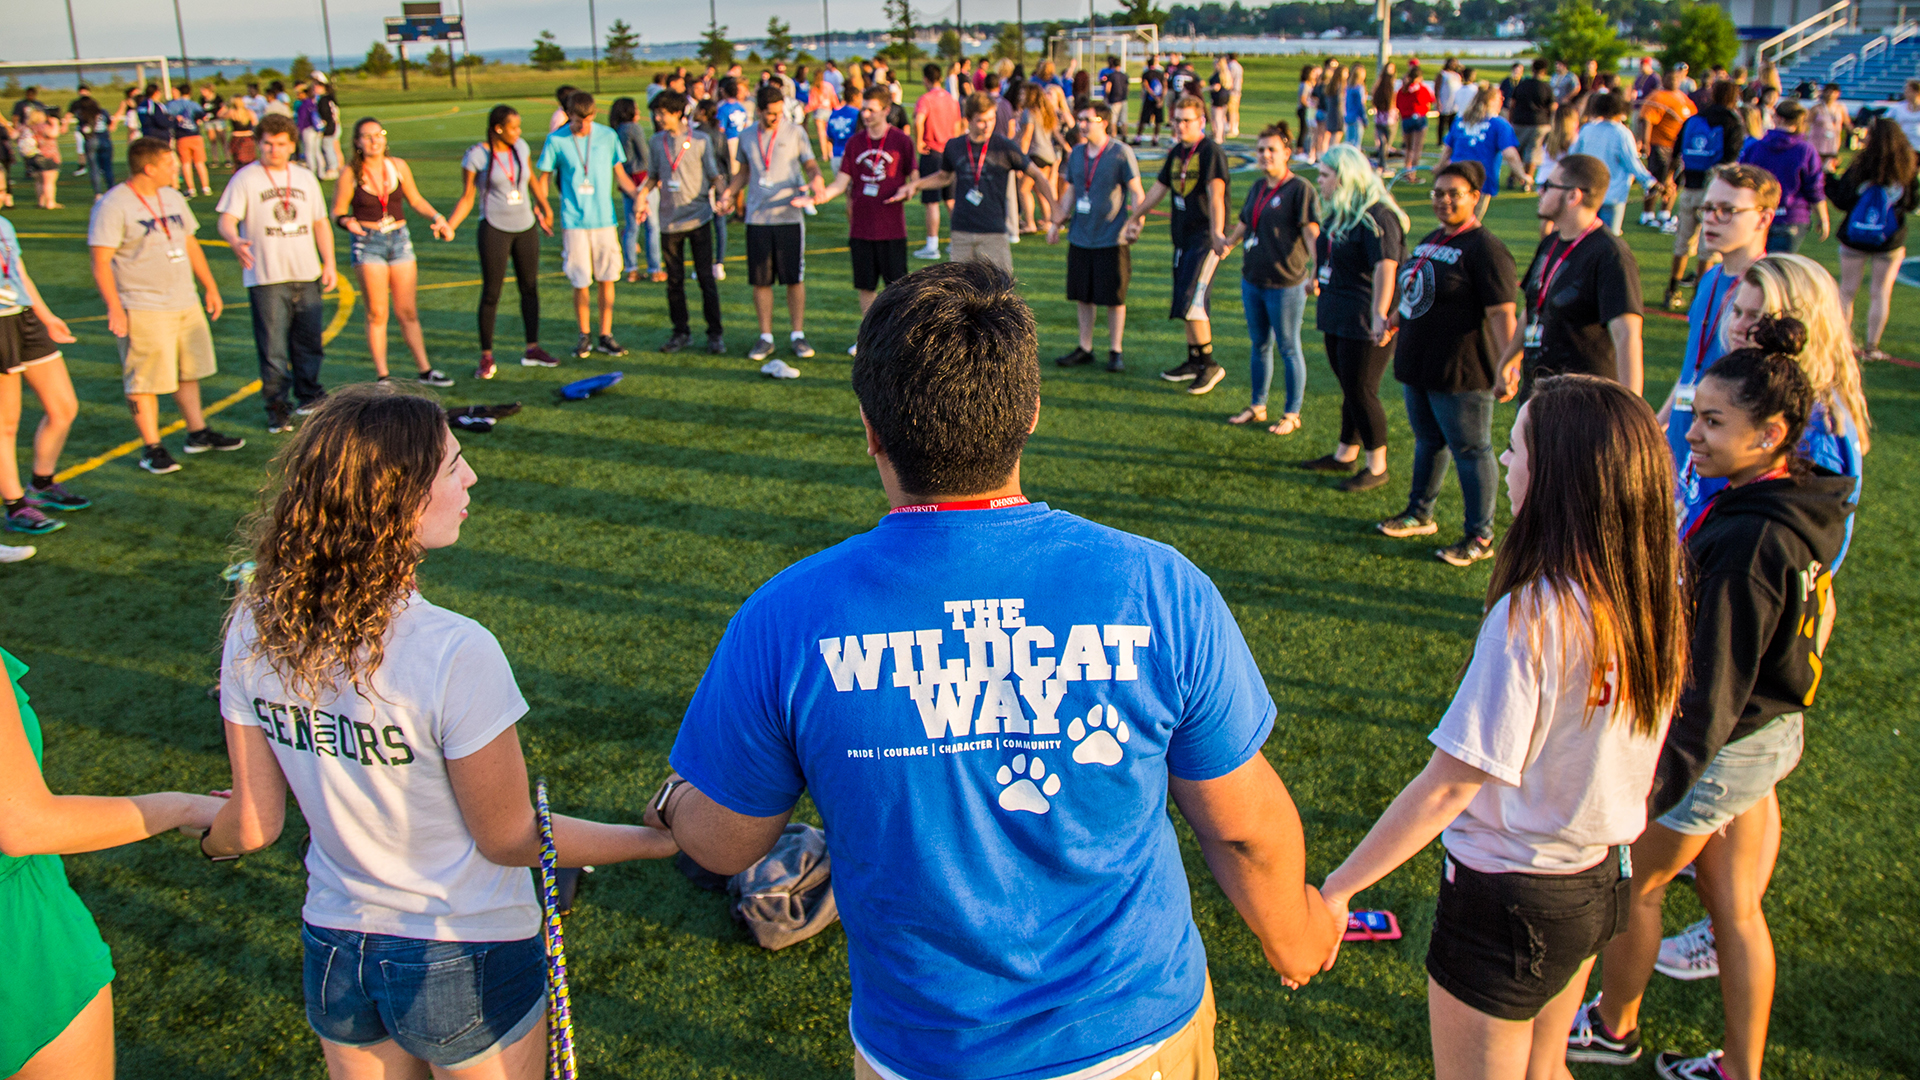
1413, 99
942, 115
880, 166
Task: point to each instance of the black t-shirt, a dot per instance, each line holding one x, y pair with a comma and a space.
1188, 175
1345, 308
1180, 79
1599, 281
1446, 286
1532, 103
1150, 78
1276, 221
998, 157
1114, 83
1845, 190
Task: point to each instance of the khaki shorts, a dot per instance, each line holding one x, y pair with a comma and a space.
1686, 236
1186, 1055
590, 255
982, 247
163, 349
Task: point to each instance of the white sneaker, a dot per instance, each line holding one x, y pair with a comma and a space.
22, 553
1670, 226
853, 349
779, 369
928, 251
1646, 218
1689, 954
719, 271
1013, 238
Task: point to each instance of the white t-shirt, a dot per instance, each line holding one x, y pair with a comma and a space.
151, 268
1463, 98
1908, 118
1566, 785
278, 214
391, 853
1446, 90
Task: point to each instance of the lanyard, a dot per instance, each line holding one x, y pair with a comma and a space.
586, 155
980, 164
513, 165
1771, 474
157, 216
673, 160
1093, 162
1545, 282
1185, 163
1712, 328
6, 263
393, 181
966, 504
1414, 267
286, 189
765, 141
1269, 198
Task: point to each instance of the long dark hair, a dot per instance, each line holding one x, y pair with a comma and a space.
497, 119
1888, 157
1766, 380
1598, 518
623, 112
359, 155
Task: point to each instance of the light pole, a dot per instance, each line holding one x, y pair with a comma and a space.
1386, 33
180, 28
593, 27
326, 26
826, 31
74, 36
466, 48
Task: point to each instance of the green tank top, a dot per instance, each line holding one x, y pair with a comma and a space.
9, 865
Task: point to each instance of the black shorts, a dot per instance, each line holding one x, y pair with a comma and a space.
24, 342
1150, 111
1506, 944
875, 261
930, 164
1099, 276
776, 255
1660, 162
1187, 290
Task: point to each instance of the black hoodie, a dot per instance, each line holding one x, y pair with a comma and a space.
1763, 607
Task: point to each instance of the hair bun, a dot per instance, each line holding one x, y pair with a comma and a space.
1779, 334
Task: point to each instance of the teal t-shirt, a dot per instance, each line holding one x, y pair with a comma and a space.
582, 168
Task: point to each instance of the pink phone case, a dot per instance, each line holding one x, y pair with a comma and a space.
1358, 930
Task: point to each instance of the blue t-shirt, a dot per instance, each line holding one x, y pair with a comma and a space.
1483, 142
577, 160
992, 774
1711, 299
13, 277
1357, 105
841, 123
733, 118
186, 116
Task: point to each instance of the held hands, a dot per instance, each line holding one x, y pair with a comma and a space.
544, 220
1132, 232
329, 278
1053, 232
1336, 906
442, 230
200, 811
1384, 328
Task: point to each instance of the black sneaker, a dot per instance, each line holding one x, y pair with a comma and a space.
1590, 1041
1674, 1066
1116, 361
1468, 551
56, 497
157, 461
199, 442
584, 347
1077, 358
278, 421
1207, 378
608, 346
434, 377
675, 343
717, 344
1184, 373
1327, 463
1363, 481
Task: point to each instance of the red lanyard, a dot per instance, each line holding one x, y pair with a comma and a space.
513, 166
286, 189
1545, 283
586, 155
393, 175
982, 163
1708, 331
157, 215
766, 149
1414, 267
1269, 198
673, 160
1000, 503
1771, 474
1180, 184
1093, 162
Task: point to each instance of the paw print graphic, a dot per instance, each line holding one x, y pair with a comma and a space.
1025, 785
1099, 736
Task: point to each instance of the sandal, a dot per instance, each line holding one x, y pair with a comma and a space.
633, 276
1250, 414
1288, 424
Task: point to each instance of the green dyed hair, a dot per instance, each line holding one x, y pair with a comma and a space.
1359, 189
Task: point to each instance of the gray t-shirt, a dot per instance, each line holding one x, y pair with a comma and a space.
774, 176
151, 270
507, 206
687, 170
1104, 194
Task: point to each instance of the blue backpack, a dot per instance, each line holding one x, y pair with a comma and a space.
1702, 145
1872, 221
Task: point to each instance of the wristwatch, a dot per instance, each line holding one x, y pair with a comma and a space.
660, 801
214, 858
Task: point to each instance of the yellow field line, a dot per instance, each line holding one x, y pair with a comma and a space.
340, 316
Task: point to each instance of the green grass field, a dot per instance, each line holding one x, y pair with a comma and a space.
610, 540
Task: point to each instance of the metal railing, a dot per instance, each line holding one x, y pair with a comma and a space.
1873, 48
1831, 21
1902, 32
1846, 63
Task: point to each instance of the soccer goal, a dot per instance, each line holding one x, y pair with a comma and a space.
1088, 47
138, 65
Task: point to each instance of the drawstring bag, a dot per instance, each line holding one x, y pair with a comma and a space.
786, 897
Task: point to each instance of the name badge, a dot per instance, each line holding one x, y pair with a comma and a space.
1251, 243
513, 196
9, 296
176, 255
584, 187
1682, 394
975, 197
1083, 205
673, 184
1532, 340
767, 181
386, 225
871, 191
1326, 273
1179, 202
1406, 308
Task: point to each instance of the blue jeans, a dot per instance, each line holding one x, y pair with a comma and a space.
99, 160
1273, 318
286, 333
1458, 426
630, 237
1784, 237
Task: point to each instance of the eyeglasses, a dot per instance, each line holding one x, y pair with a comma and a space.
1724, 211
1551, 186
1447, 194
1189, 119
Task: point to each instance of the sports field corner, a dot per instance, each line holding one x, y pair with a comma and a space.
611, 539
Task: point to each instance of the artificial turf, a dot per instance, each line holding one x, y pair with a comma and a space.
611, 539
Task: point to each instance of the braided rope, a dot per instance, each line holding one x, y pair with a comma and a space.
560, 1060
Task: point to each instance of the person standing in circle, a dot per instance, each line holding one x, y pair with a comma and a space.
1095, 209
1582, 290
583, 161
1362, 246
1197, 175
370, 203
395, 725
1876, 192
1279, 227
1455, 320
1785, 152
878, 161
780, 168
497, 176
936, 119
682, 168
1540, 770
1483, 136
980, 165
30, 339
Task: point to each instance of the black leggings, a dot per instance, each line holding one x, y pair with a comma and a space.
1359, 364
496, 248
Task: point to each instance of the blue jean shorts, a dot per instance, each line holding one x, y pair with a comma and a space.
1740, 775
449, 1003
383, 248
1411, 124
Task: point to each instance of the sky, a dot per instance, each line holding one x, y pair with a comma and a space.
221, 29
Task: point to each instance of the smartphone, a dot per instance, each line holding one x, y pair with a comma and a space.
1371, 926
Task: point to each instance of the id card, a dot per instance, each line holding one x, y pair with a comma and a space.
768, 181
1251, 243
584, 187
176, 254
513, 196
1532, 340
871, 191
673, 184
1682, 394
975, 197
1179, 202
1083, 205
9, 296
1326, 273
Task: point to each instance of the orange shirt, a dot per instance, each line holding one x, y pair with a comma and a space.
943, 121
1664, 112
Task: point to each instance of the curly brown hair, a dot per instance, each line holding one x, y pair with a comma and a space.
334, 544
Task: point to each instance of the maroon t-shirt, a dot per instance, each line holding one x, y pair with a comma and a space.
876, 169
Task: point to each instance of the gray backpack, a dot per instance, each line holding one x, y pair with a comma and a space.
786, 897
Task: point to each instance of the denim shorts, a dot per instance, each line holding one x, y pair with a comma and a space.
449, 1003
1740, 775
1411, 124
383, 248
